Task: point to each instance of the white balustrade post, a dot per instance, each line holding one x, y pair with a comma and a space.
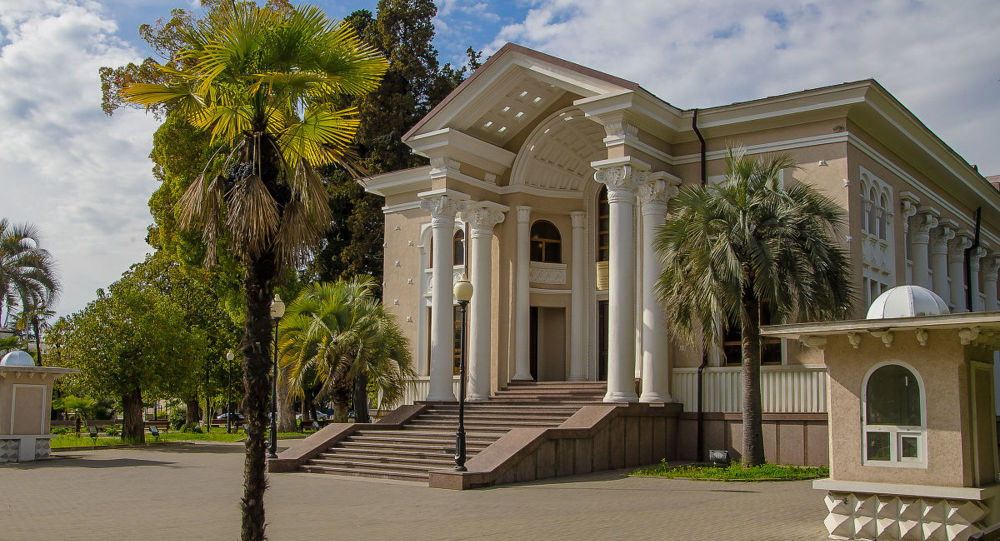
621, 180
956, 269
989, 266
443, 205
482, 218
939, 258
920, 235
578, 325
522, 306
654, 195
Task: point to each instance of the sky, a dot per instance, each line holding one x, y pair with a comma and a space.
84, 178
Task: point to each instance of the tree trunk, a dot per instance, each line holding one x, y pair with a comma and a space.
133, 428
193, 410
361, 398
308, 412
753, 431
256, 350
286, 406
341, 401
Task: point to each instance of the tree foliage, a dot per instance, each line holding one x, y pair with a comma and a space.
729, 250
132, 340
333, 332
27, 272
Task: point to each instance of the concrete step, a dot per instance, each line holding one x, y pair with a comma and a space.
357, 472
421, 436
488, 425
503, 408
400, 457
442, 446
377, 465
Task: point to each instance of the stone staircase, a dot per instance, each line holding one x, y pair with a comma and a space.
427, 441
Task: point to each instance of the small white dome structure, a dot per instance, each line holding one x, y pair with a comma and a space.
17, 358
907, 301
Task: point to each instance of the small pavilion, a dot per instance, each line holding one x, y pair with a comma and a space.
25, 407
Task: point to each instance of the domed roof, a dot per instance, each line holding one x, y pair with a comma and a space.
17, 358
907, 301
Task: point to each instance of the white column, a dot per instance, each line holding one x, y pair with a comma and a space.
522, 306
921, 233
655, 345
939, 259
482, 218
577, 301
956, 269
621, 181
443, 207
989, 266
910, 203
977, 304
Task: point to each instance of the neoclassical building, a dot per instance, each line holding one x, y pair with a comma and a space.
548, 179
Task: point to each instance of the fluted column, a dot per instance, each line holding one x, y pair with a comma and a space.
909, 209
956, 269
939, 258
443, 207
482, 218
989, 266
621, 180
920, 235
577, 301
522, 306
654, 195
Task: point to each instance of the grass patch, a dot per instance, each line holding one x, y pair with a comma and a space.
70, 440
733, 472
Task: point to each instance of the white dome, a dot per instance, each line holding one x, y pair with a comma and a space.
907, 301
17, 358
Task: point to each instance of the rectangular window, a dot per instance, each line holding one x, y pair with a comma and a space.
908, 444
878, 446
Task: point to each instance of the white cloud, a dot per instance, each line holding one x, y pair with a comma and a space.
939, 59
83, 178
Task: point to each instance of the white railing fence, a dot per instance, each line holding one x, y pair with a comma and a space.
784, 389
418, 387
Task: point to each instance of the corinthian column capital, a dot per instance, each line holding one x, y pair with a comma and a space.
483, 216
442, 204
621, 176
658, 189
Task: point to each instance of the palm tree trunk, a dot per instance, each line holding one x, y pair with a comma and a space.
753, 431
341, 401
133, 429
360, 400
256, 349
286, 406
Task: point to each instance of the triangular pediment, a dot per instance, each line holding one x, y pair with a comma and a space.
515, 89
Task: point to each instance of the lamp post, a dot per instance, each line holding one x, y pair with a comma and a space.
277, 310
463, 293
229, 391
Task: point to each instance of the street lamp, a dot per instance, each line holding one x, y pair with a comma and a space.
229, 391
277, 310
463, 293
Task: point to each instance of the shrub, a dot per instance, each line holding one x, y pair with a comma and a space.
177, 417
112, 430
192, 428
59, 431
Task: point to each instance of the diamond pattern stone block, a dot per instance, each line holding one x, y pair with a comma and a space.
889, 517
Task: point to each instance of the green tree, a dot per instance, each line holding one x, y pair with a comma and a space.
131, 340
262, 82
732, 249
27, 273
334, 331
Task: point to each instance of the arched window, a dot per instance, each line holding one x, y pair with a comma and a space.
883, 212
894, 423
603, 225
546, 244
872, 212
459, 245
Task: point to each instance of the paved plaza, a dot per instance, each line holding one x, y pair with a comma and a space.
192, 492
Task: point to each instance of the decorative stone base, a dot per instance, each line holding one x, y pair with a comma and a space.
892, 517
11, 448
42, 448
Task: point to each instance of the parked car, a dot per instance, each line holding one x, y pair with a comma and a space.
237, 417
320, 416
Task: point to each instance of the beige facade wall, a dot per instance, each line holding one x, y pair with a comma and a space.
24, 402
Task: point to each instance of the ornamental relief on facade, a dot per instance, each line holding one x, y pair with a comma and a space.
547, 273
456, 275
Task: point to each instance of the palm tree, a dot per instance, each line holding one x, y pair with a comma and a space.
728, 251
335, 331
27, 272
263, 82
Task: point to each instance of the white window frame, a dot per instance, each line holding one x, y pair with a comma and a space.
896, 432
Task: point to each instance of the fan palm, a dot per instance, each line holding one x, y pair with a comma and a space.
27, 273
263, 82
335, 331
730, 249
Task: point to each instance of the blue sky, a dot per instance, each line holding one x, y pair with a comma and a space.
84, 178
